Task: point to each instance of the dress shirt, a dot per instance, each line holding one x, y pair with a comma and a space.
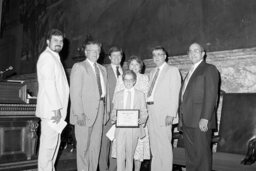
151, 97
119, 69
132, 97
103, 87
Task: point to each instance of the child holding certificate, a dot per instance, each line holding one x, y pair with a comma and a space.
127, 102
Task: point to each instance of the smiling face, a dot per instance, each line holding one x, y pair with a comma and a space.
92, 52
115, 57
195, 53
129, 81
55, 43
159, 57
135, 66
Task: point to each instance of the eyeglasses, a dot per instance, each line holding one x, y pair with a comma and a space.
129, 80
194, 51
158, 54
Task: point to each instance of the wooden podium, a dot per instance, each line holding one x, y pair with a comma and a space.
18, 129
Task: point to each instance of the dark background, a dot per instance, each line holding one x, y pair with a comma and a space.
134, 25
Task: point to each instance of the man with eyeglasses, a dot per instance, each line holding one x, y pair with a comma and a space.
197, 110
162, 103
88, 95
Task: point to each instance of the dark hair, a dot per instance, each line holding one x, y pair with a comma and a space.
159, 48
137, 59
54, 32
129, 72
92, 43
115, 49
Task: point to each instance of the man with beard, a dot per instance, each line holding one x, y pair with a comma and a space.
52, 99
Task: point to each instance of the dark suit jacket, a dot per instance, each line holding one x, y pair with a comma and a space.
111, 82
200, 97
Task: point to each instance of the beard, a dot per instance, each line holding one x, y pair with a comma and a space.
57, 48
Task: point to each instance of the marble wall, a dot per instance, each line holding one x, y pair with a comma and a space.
237, 68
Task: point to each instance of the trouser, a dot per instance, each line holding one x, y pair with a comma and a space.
49, 146
198, 149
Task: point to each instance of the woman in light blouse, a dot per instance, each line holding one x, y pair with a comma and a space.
142, 150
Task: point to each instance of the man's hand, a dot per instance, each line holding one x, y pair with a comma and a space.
168, 120
203, 125
57, 116
81, 119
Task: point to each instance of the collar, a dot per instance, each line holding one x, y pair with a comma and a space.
54, 53
196, 64
131, 90
91, 63
162, 66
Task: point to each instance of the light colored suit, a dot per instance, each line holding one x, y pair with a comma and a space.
53, 94
127, 138
85, 99
166, 99
105, 153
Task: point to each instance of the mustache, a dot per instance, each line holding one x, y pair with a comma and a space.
58, 46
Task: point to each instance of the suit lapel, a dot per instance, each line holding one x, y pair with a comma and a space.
90, 71
194, 75
161, 76
111, 73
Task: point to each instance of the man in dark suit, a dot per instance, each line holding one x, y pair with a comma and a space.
114, 70
197, 110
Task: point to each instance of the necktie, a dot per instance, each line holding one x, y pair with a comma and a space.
97, 71
186, 80
153, 82
117, 71
128, 100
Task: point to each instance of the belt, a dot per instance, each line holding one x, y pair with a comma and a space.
102, 98
150, 103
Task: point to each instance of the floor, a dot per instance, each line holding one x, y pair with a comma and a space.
67, 162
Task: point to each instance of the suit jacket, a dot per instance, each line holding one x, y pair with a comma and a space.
53, 93
139, 103
84, 93
166, 95
200, 97
111, 82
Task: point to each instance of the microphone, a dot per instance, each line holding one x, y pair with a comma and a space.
4, 71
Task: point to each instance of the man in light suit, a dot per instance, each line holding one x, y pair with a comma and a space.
162, 103
88, 94
106, 162
52, 99
197, 110
127, 138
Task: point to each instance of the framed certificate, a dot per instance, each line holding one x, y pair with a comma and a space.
127, 118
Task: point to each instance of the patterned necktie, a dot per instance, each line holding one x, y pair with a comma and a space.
153, 82
186, 80
128, 100
97, 71
117, 71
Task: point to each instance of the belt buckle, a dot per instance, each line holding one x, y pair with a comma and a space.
150, 103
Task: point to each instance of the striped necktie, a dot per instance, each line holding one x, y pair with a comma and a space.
97, 71
186, 81
153, 82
